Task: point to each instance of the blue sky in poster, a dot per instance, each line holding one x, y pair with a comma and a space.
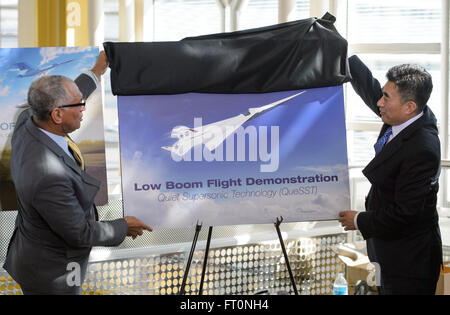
13, 88
302, 121
67, 61
312, 141
14, 84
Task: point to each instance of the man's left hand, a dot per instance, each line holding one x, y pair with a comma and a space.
347, 219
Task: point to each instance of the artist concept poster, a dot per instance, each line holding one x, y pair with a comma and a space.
227, 159
19, 67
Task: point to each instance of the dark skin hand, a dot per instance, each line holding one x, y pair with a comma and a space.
136, 227
101, 65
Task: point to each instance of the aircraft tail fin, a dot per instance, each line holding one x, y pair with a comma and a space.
23, 66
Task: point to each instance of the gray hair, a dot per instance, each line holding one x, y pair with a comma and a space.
46, 93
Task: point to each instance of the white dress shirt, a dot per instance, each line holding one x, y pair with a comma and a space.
60, 141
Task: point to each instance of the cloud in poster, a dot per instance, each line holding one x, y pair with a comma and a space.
324, 168
49, 54
4, 91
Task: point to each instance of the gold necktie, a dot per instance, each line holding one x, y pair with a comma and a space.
76, 152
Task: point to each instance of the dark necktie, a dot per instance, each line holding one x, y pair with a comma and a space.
382, 141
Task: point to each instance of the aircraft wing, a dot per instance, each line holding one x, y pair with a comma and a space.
63, 62
23, 66
212, 135
25, 70
259, 110
217, 132
187, 138
180, 148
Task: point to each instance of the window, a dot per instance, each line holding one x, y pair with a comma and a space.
302, 9
258, 13
394, 21
176, 19
383, 34
379, 64
110, 115
8, 23
111, 9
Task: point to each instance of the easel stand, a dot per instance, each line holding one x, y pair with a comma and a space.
286, 258
198, 227
205, 260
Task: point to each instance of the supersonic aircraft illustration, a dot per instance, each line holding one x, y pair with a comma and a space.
25, 70
212, 135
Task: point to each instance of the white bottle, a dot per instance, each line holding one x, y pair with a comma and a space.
340, 285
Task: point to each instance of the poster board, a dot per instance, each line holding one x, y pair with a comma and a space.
19, 67
227, 159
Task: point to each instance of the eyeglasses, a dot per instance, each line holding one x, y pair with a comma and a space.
73, 105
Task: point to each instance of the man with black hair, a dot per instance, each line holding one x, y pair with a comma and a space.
400, 223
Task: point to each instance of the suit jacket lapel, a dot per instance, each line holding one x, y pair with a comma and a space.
49, 143
40, 136
389, 149
395, 144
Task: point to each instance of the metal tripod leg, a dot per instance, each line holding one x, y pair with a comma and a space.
286, 258
191, 254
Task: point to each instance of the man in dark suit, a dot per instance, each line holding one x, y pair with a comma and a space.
400, 223
56, 224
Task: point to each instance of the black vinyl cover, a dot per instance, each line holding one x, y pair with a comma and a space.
302, 54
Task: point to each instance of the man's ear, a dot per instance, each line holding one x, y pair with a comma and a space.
56, 116
411, 107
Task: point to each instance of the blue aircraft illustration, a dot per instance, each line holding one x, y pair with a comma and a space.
25, 70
